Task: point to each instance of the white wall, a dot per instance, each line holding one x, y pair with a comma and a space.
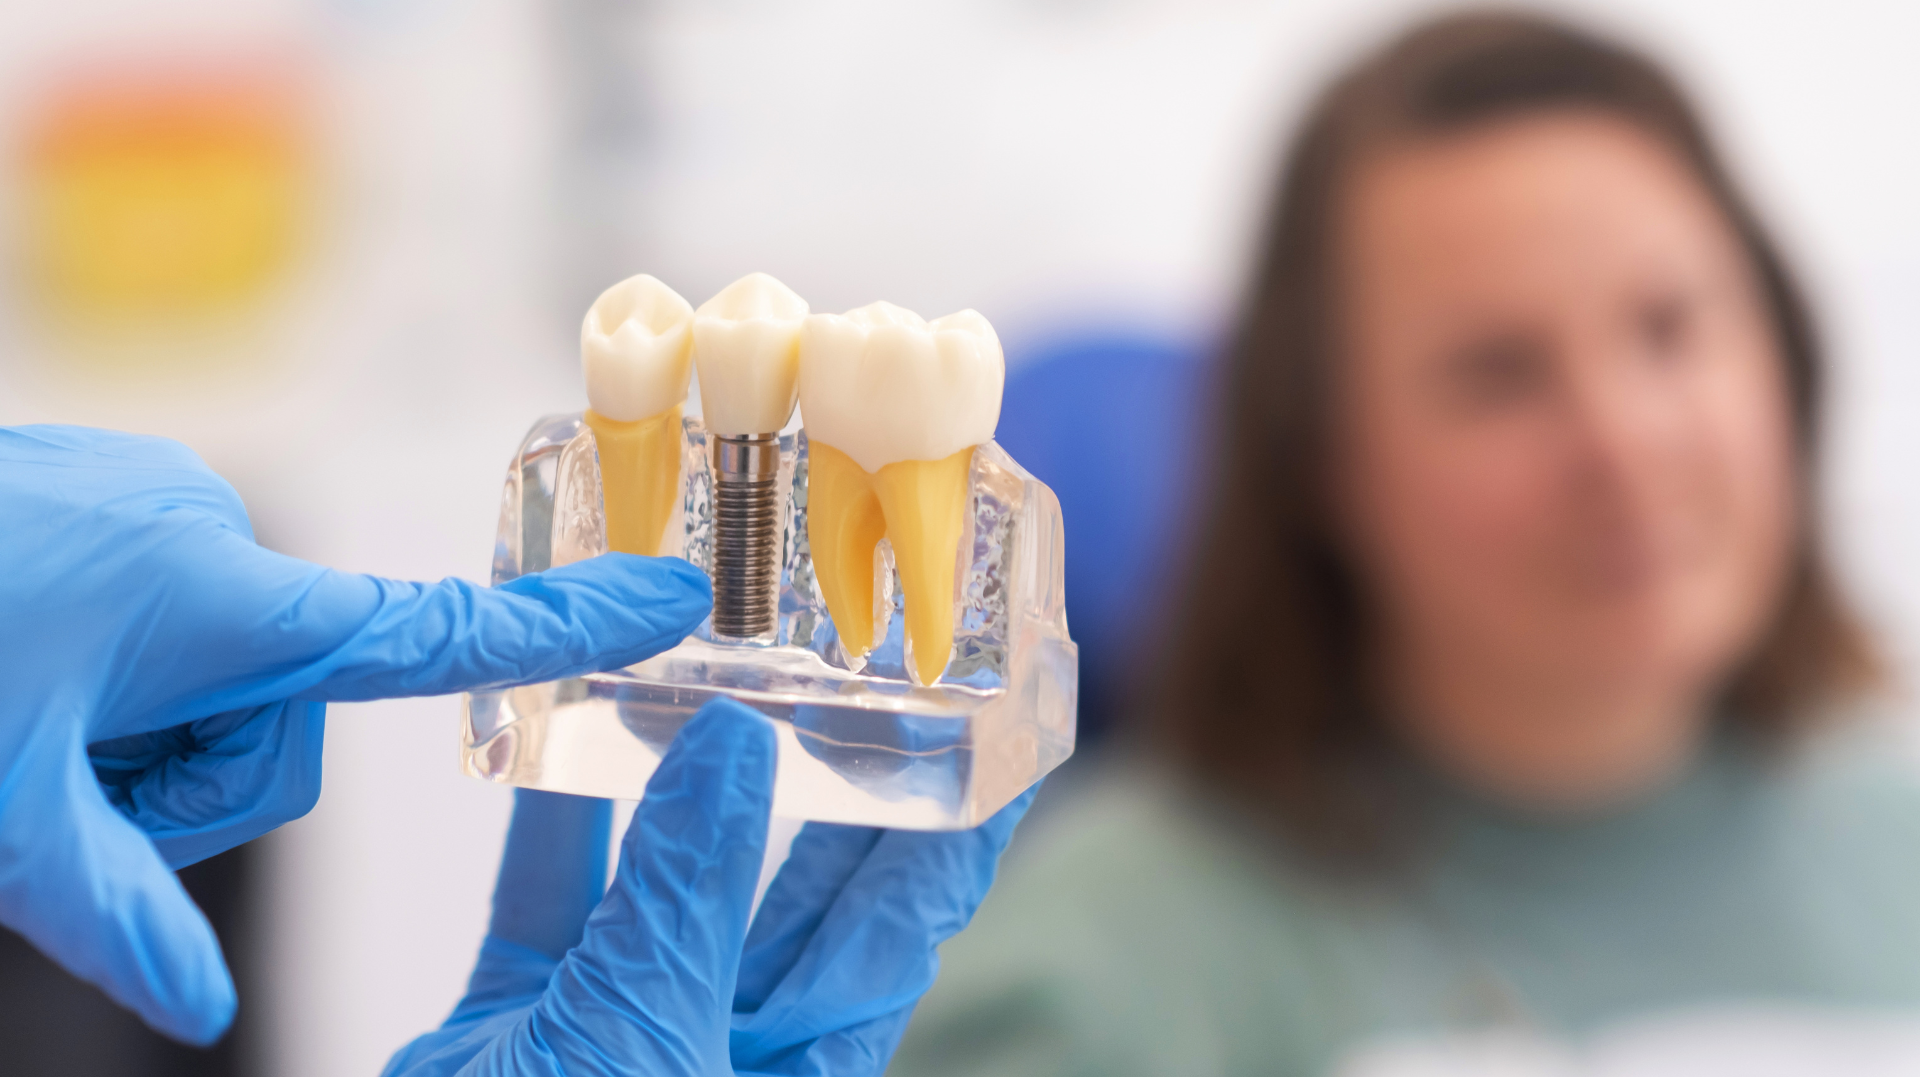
1050, 163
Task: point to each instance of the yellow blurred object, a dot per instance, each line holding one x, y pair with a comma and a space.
639, 477
920, 507
164, 195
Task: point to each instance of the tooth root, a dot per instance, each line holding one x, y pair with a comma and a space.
920, 507
639, 477
844, 525
925, 503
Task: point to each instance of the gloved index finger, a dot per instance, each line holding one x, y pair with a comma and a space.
598, 615
822, 860
552, 874
232, 625
648, 990
553, 870
872, 955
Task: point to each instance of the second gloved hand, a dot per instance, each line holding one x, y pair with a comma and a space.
667, 978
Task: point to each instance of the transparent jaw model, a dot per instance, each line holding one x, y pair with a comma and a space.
861, 740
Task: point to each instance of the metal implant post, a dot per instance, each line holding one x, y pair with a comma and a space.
746, 534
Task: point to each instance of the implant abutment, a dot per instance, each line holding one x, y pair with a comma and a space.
746, 535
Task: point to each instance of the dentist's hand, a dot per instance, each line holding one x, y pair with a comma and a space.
162, 681
665, 977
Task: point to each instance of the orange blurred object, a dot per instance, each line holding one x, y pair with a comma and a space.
165, 192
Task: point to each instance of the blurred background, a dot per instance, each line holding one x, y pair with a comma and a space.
341, 248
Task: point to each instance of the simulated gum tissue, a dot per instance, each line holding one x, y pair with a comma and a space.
635, 347
894, 406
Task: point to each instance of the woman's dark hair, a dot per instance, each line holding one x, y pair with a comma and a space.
1261, 700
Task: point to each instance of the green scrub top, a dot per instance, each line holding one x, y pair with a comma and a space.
1137, 931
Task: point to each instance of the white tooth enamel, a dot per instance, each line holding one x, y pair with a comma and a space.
881, 384
746, 344
634, 347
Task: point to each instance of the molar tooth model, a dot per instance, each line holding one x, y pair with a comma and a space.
894, 407
888, 582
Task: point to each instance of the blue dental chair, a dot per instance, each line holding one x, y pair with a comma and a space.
1114, 423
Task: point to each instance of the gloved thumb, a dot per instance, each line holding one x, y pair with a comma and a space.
88, 890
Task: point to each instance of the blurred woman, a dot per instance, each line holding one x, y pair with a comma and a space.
1486, 737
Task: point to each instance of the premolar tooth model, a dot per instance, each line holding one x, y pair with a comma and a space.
634, 347
894, 407
746, 344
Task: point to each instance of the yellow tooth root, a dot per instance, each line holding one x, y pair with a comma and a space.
639, 477
925, 503
920, 507
844, 525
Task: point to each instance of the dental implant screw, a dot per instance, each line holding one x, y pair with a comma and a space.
746, 534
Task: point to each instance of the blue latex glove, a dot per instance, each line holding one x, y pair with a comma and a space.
162, 680
665, 978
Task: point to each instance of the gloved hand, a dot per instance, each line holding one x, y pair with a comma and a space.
162, 680
665, 978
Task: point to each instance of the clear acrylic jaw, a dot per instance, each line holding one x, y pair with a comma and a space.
860, 742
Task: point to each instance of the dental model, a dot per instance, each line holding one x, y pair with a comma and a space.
635, 347
856, 565
746, 343
894, 407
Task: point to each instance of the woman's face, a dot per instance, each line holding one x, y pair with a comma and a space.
1563, 456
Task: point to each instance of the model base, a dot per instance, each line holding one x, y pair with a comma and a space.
860, 742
